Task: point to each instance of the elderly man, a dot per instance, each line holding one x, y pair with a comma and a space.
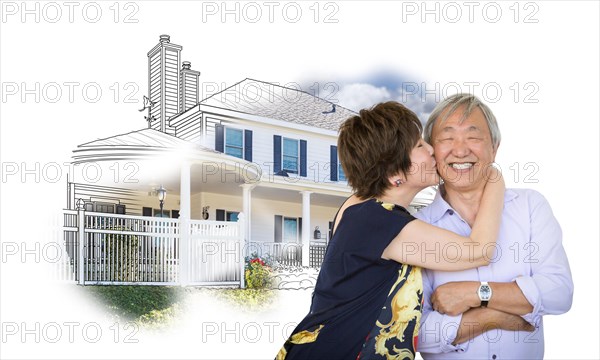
494, 311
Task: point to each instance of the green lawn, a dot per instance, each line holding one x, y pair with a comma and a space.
248, 300
149, 306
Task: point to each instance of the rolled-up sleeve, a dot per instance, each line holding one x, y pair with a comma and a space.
549, 286
437, 331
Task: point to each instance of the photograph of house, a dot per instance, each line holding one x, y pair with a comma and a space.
255, 150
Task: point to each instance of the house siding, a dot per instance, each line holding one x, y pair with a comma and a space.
190, 129
318, 145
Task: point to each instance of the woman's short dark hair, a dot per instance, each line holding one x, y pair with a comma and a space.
376, 144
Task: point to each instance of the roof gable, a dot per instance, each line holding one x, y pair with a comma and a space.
142, 138
274, 101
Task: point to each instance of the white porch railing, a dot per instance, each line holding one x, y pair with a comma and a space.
317, 253
289, 254
123, 249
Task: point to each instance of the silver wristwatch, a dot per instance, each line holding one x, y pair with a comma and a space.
485, 293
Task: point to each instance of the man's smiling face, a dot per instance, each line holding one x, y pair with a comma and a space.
463, 149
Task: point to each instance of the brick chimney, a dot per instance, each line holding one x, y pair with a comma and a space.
189, 87
164, 79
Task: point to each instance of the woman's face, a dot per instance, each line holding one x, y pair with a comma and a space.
422, 172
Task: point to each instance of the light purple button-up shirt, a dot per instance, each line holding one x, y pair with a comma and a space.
529, 251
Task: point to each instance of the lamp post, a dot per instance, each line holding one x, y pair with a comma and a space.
162, 194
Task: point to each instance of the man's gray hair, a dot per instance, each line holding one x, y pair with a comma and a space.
449, 105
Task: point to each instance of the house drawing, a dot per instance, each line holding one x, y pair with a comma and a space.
251, 169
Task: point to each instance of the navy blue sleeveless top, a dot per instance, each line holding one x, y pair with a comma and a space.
363, 306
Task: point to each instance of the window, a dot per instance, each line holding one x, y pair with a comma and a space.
96, 206
148, 211
234, 142
335, 166
290, 155
224, 215
232, 216
290, 230
341, 175
165, 213
105, 208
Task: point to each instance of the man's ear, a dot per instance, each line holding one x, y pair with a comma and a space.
495, 152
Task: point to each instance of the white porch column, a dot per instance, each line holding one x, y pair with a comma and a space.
184, 223
247, 210
81, 238
306, 227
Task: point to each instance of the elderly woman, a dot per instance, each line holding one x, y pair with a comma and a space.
367, 300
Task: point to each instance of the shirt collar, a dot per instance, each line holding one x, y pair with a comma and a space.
440, 207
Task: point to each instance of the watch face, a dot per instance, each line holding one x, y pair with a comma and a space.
485, 292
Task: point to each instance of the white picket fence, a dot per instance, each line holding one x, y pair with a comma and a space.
114, 249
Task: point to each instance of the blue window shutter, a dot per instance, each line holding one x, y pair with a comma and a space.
278, 230
220, 215
248, 145
276, 154
303, 158
300, 230
333, 163
220, 138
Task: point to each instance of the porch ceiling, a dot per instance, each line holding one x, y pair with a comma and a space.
286, 195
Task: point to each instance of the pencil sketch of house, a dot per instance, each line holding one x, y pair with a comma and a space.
251, 169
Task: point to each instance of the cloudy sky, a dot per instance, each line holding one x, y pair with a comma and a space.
359, 95
74, 72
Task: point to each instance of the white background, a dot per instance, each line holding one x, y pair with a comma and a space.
550, 49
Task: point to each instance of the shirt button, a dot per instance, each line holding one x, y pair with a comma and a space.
451, 212
494, 356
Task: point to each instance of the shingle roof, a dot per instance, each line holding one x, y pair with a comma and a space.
274, 101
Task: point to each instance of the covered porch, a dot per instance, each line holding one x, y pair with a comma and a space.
203, 188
